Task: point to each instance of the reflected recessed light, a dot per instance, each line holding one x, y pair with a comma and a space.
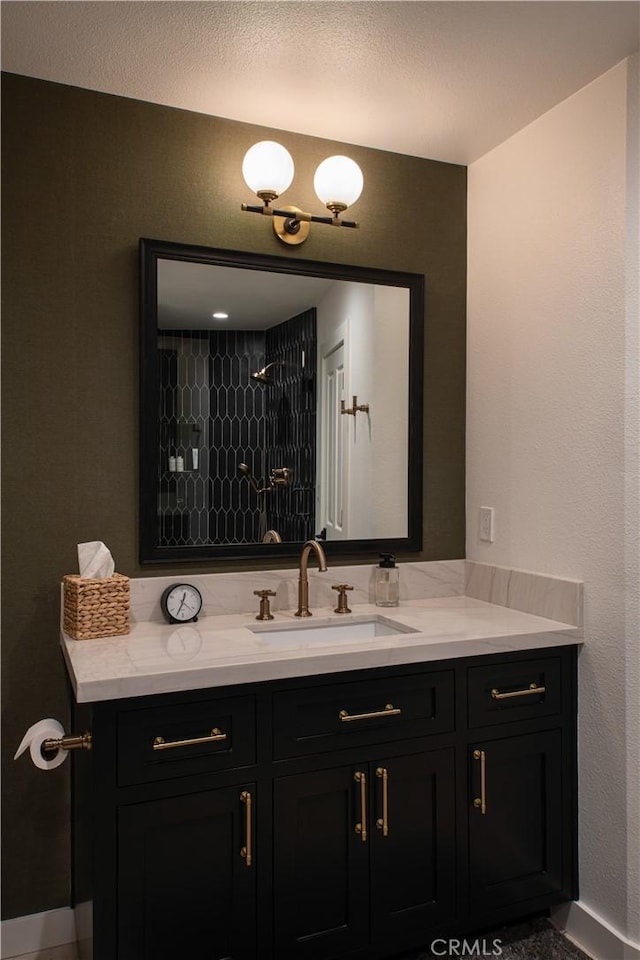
219, 315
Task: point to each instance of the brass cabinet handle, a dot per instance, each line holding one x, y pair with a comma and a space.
531, 689
246, 852
389, 711
161, 744
481, 801
361, 827
382, 823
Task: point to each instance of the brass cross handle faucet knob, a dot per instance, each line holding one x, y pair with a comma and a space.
265, 612
342, 597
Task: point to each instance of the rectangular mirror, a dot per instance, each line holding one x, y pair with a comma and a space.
294, 413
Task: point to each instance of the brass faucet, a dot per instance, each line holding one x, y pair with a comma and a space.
303, 583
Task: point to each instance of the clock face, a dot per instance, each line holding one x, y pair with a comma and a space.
181, 603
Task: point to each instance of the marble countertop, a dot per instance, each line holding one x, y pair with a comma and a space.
223, 650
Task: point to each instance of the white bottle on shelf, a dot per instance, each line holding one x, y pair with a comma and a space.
172, 464
179, 464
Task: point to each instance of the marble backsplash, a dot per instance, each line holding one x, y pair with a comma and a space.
542, 595
233, 592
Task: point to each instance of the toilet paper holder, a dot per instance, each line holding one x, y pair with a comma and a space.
70, 741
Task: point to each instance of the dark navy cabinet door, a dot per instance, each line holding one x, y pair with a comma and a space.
412, 847
184, 887
321, 865
364, 862
516, 844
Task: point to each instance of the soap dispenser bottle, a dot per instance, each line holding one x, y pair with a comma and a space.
387, 581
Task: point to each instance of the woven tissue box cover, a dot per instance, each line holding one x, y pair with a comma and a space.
96, 607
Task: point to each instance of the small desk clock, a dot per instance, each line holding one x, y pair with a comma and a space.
181, 603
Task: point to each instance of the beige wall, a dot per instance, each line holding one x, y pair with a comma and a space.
85, 176
552, 424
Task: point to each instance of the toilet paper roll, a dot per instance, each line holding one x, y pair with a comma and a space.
34, 738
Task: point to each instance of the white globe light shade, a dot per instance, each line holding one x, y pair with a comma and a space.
338, 180
268, 166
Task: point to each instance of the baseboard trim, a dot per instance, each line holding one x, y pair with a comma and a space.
54, 928
592, 934
37, 931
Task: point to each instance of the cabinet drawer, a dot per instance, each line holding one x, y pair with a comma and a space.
523, 690
317, 719
185, 739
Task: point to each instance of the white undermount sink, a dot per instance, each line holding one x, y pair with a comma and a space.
317, 634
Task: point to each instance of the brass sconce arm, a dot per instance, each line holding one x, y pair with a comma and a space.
297, 215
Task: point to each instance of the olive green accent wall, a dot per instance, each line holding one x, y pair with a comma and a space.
85, 175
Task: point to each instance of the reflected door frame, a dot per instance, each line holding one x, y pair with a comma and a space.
333, 463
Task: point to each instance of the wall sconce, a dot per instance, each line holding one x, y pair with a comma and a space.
268, 171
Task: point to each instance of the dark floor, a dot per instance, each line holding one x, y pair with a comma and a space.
535, 939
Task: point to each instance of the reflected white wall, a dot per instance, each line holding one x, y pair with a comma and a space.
376, 324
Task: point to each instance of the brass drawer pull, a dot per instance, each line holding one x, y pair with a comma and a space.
389, 711
160, 744
382, 823
481, 801
246, 851
361, 827
533, 688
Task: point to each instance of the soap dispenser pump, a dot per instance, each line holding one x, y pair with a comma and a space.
387, 581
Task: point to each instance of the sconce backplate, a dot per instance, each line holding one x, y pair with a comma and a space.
281, 231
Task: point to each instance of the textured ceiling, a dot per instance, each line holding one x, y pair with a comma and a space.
443, 80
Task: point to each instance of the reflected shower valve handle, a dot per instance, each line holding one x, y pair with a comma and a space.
354, 408
280, 476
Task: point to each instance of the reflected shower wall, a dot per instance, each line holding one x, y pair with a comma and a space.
185, 427
291, 424
211, 403
238, 434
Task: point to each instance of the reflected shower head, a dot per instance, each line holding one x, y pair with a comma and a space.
262, 376
245, 470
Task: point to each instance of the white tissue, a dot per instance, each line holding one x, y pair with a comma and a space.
33, 739
95, 560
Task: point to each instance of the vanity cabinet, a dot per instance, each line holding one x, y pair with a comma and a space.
181, 883
364, 854
515, 837
520, 816
351, 815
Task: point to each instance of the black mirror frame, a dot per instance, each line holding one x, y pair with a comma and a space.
153, 250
